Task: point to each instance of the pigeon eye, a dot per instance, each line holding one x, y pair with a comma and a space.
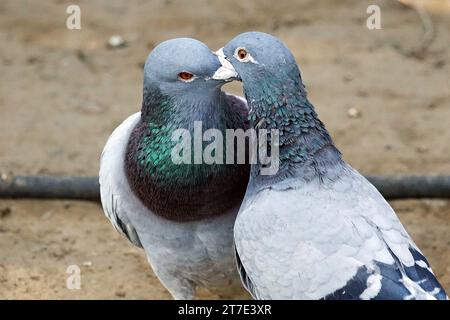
186, 76
242, 54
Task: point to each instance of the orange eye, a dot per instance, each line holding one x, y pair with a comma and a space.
242, 53
185, 75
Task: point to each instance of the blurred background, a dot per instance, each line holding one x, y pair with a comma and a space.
384, 95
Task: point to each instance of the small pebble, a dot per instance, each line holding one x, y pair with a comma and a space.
81, 55
432, 105
421, 149
4, 212
116, 41
33, 60
439, 64
353, 113
87, 264
347, 78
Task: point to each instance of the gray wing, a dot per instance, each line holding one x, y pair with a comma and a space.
114, 188
339, 240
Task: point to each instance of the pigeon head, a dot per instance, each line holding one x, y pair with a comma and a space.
181, 66
256, 56
180, 98
277, 99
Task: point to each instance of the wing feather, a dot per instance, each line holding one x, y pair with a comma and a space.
113, 185
328, 240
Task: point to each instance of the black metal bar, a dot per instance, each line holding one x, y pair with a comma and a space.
50, 187
412, 187
87, 188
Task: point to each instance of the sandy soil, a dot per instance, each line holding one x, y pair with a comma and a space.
62, 93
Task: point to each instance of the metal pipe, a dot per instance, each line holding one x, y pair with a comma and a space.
50, 187
412, 187
87, 188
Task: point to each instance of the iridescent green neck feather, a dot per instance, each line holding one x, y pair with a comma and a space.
183, 192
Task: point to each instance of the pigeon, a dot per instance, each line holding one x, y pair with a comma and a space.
181, 214
315, 228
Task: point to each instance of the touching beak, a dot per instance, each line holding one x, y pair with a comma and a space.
226, 72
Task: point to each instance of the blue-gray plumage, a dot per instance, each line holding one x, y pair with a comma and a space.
181, 214
317, 229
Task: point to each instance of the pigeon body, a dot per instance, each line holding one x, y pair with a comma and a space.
181, 214
317, 229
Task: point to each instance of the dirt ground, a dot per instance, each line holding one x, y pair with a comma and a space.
62, 92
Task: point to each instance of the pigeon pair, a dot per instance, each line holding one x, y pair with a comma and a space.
315, 229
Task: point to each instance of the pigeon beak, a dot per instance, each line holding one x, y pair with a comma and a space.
226, 72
